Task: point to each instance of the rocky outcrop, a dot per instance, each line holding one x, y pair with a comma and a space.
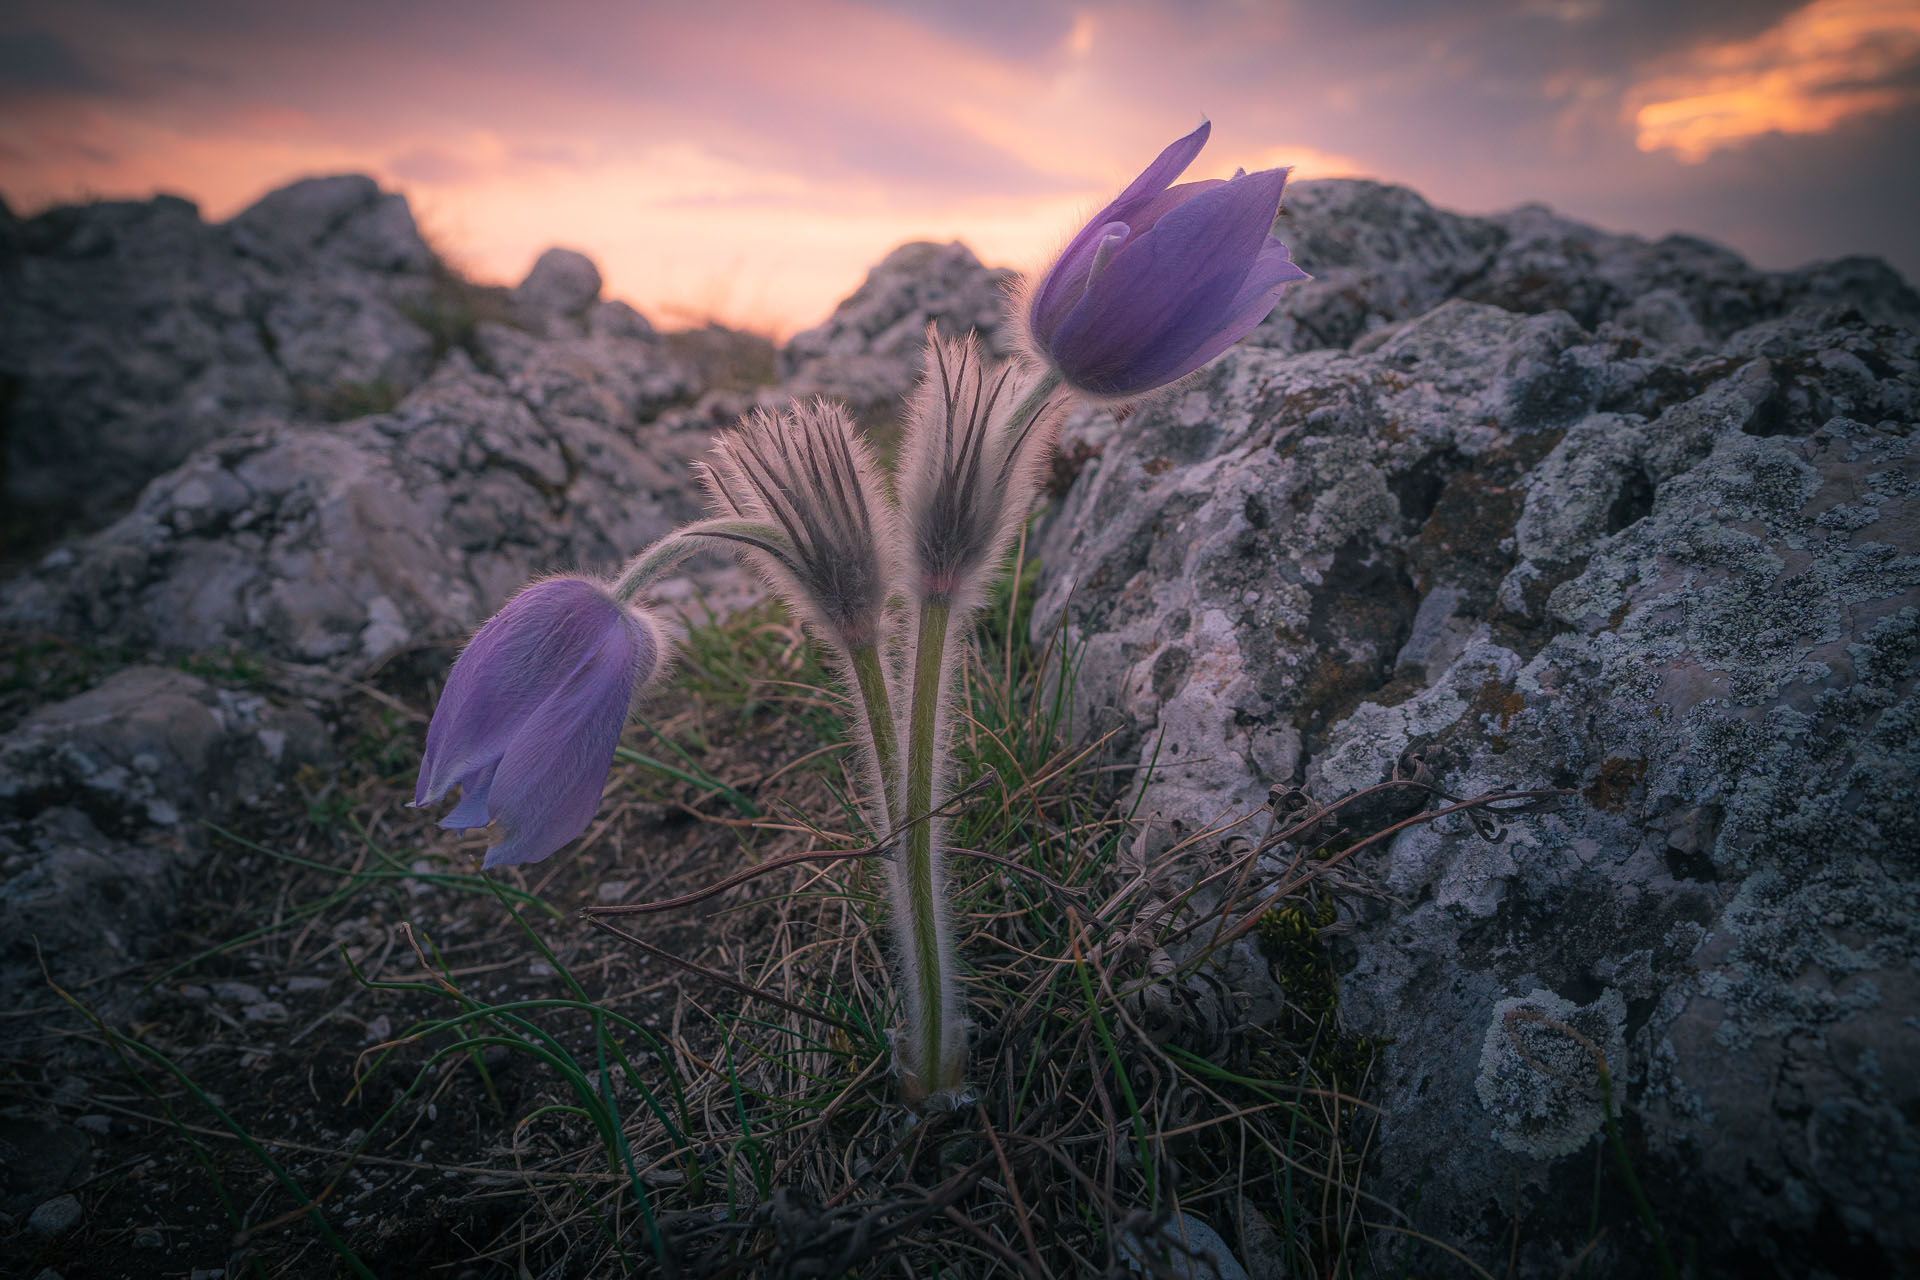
1533, 505
1663, 551
1380, 254
554, 433
133, 333
341, 545
102, 798
868, 351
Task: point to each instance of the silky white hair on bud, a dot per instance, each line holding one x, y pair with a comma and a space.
809, 473
969, 471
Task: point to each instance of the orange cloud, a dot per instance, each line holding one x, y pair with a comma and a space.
1821, 65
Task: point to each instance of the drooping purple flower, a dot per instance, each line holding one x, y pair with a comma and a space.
532, 712
1160, 281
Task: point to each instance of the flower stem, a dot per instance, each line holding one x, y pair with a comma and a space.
929, 997
1029, 408
660, 558
870, 675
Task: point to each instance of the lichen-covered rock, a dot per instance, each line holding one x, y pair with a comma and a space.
133, 333
1380, 254
102, 798
1681, 578
340, 545
868, 351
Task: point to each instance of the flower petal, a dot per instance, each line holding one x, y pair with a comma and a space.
1158, 176
512, 664
1157, 207
551, 776
472, 812
1063, 283
1272, 272
1168, 292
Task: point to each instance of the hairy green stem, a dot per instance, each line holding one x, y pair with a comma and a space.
657, 560
930, 1071
870, 675
1036, 399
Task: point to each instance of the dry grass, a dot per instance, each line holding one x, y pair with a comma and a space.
517, 1076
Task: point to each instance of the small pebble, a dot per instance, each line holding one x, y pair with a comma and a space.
242, 993
100, 1125
381, 1028
266, 1011
62, 1213
302, 985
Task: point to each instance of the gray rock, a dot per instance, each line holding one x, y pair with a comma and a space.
1184, 1247
62, 1213
134, 333
1687, 587
1380, 254
342, 545
868, 352
345, 219
101, 801
562, 284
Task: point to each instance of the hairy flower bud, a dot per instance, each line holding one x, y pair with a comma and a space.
810, 475
971, 463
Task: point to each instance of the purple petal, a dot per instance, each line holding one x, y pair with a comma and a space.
1272, 272
1168, 165
1065, 280
551, 776
472, 812
512, 664
1157, 207
1169, 291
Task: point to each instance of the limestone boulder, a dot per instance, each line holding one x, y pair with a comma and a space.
1683, 584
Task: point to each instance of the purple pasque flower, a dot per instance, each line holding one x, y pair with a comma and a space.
532, 712
1160, 281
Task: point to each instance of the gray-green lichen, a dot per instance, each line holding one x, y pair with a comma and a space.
1541, 1067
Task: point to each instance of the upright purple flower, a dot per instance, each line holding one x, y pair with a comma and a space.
532, 712
1160, 281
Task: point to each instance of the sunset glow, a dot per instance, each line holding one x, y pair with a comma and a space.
747, 160
1829, 62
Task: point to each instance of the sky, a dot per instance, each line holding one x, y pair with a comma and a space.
748, 160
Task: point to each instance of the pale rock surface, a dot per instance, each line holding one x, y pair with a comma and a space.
868, 351
558, 293
1682, 578
133, 333
342, 545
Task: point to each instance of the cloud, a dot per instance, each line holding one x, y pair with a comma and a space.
1818, 68
767, 151
431, 167
38, 61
